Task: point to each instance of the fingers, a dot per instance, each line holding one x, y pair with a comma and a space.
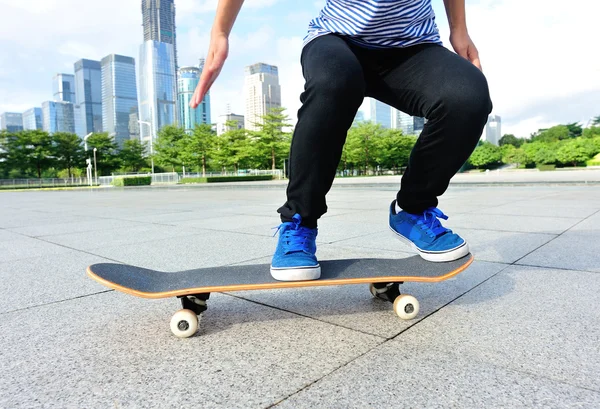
212, 68
474, 57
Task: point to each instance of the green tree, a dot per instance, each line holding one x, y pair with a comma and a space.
510, 139
362, 145
107, 156
133, 155
575, 151
271, 138
541, 153
232, 148
596, 121
27, 153
394, 149
194, 149
556, 133
485, 156
592, 132
168, 145
575, 129
68, 152
512, 155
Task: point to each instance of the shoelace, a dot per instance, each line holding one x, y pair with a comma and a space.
429, 221
294, 237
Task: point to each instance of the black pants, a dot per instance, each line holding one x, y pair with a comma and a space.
424, 80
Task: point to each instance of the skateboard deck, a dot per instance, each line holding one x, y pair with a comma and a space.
193, 287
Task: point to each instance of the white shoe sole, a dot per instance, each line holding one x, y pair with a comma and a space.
296, 273
435, 256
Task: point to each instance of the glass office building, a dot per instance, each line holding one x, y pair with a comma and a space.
381, 113
158, 19
187, 81
88, 95
119, 95
32, 119
11, 121
63, 86
58, 116
158, 90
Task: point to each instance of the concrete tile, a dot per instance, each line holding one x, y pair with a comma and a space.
537, 321
25, 218
403, 375
74, 227
486, 245
353, 306
7, 235
140, 233
571, 250
42, 280
539, 208
204, 249
114, 350
171, 217
26, 247
230, 222
541, 224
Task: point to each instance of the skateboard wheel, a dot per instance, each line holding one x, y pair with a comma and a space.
406, 306
184, 323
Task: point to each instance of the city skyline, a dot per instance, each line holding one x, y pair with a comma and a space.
538, 94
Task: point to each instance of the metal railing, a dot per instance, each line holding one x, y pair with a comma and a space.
45, 182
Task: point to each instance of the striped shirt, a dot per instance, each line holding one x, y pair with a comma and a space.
377, 23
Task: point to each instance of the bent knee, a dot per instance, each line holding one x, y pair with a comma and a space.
466, 96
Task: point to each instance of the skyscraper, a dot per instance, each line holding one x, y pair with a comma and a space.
381, 113
88, 95
158, 18
64, 87
58, 116
32, 119
262, 92
11, 121
119, 95
158, 88
493, 129
187, 81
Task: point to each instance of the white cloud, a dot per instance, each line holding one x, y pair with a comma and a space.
539, 55
533, 52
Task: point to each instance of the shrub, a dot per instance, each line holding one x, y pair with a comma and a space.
132, 181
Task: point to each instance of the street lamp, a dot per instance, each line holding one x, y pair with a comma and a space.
95, 168
151, 141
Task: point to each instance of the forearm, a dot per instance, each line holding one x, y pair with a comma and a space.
227, 11
455, 10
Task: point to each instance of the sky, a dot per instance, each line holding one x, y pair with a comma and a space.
540, 56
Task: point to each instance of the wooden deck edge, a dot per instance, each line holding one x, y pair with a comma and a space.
276, 285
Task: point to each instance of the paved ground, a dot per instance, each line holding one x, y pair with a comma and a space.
517, 329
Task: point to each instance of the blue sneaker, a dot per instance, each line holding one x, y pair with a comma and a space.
294, 258
426, 235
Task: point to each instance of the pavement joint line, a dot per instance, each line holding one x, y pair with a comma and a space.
554, 238
56, 302
303, 315
555, 268
386, 340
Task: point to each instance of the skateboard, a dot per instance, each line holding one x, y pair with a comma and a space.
193, 287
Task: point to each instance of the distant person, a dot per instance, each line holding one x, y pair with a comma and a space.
389, 50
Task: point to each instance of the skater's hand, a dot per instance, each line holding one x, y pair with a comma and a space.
217, 54
464, 46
